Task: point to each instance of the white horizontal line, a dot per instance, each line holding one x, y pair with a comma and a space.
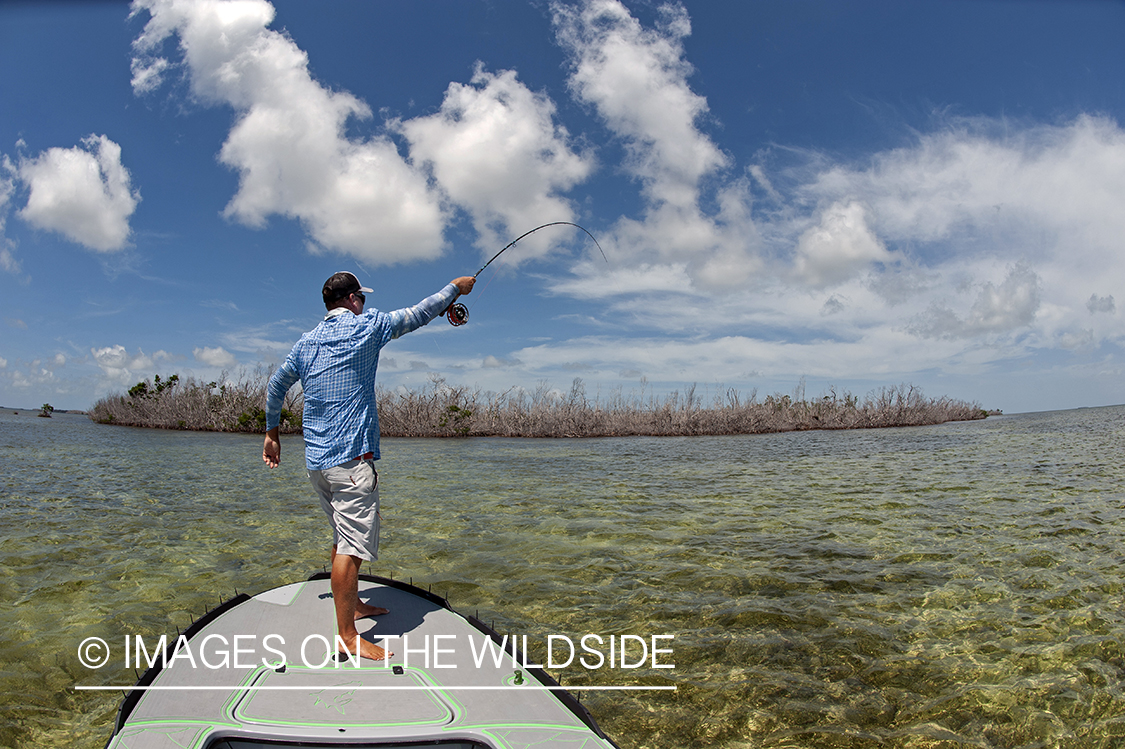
131, 688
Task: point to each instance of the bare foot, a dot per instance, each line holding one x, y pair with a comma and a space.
367, 650
365, 609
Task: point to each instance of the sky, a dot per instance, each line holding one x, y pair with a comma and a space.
789, 193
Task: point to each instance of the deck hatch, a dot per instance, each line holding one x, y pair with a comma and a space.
342, 697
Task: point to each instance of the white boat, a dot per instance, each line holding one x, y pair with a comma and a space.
260, 671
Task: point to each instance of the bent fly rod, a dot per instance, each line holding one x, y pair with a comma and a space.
459, 313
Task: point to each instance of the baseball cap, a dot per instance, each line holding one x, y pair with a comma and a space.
341, 285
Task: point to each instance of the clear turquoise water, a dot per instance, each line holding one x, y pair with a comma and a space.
949, 586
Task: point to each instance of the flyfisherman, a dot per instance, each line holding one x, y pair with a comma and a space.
336, 363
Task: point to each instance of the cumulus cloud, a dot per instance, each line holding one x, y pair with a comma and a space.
215, 357
118, 365
637, 80
288, 143
1098, 304
974, 196
989, 180
495, 150
83, 193
996, 309
838, 246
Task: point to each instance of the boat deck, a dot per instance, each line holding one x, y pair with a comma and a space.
258, 671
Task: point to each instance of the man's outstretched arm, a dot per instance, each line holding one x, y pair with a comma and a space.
402, 321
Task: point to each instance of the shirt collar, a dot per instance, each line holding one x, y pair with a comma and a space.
336, 312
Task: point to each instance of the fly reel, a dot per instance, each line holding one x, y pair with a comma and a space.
458, 314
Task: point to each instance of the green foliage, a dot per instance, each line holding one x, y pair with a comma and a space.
46, 410
457, 417
143, 390
252, 420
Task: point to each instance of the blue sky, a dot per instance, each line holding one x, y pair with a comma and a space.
852, 194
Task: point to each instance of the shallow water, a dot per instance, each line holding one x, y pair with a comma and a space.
948, 586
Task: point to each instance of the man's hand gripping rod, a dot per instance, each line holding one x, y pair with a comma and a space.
459, 314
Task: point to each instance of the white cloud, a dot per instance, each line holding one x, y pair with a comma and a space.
883, 354
962, 204
496, 151
121, 367
7, 185
636, 78
996, 309
989, 179
593, 281
270, 342
148, 74
288, 144
215, 357
7, 260
83, 193
837, 247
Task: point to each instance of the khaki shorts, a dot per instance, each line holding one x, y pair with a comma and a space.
349, 496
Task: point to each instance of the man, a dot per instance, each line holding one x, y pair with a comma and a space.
336, 364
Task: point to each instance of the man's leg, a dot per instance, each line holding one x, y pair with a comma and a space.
349, 496
345, 594
360, 609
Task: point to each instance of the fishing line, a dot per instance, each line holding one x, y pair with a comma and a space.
459, 314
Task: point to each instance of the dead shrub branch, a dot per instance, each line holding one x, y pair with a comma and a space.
444, 410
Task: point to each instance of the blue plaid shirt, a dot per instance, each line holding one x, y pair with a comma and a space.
336, 363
